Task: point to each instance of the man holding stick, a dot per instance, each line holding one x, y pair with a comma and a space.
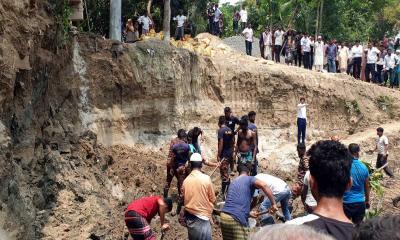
226, 142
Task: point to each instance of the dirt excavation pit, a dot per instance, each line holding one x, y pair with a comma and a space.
85, 128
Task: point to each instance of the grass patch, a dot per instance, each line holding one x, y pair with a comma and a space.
353, 107
385, 103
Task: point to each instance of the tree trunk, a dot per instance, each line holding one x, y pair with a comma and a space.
317, 20
167, 20
115, 19
270, 14
149, 3
320, 16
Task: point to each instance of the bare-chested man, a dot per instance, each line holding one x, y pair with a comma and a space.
246, 148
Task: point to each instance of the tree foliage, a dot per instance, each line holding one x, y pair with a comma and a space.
98, 13
341, 19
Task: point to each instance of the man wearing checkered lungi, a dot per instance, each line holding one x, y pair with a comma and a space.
238, 203
139, 213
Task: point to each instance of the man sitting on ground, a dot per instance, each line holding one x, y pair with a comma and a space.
330, 164
239, 202
139, 213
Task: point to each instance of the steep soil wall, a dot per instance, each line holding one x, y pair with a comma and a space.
153, 89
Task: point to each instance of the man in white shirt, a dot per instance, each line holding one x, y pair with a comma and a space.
280, 191
267, 38
307, 198
305, 50
372, 57
301, 120
217, 17
146, 22
319, 54
357, 51
248, 35
278, 43
243, 18
389, 63
180, 19
382, 145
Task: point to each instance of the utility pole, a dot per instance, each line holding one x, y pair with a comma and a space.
115, 19
167, 20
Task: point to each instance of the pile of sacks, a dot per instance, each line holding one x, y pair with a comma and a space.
203, 44
153, 35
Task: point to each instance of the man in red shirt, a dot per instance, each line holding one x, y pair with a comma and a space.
139, 213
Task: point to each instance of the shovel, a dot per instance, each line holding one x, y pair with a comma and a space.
215, 169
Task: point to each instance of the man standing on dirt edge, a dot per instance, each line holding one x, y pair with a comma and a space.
382, 145
199, 197
139, 213
226, 141
301, 120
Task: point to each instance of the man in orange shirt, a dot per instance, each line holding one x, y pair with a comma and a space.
199, 197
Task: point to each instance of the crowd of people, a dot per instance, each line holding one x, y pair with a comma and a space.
379, 61
375, 61
332, 182
142, 25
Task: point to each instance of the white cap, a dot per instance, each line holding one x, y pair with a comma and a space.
196, 157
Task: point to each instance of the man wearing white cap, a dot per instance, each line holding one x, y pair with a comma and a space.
319, 54
199, 197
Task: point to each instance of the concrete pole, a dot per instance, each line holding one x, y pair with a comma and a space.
115, 19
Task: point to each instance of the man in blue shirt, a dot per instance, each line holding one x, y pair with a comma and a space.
331, 53
239, 202
356, 200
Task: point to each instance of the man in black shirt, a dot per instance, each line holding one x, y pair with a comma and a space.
226, 142
230, 120
193, 138
330, 164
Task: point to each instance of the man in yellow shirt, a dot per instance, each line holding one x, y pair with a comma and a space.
199, 197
